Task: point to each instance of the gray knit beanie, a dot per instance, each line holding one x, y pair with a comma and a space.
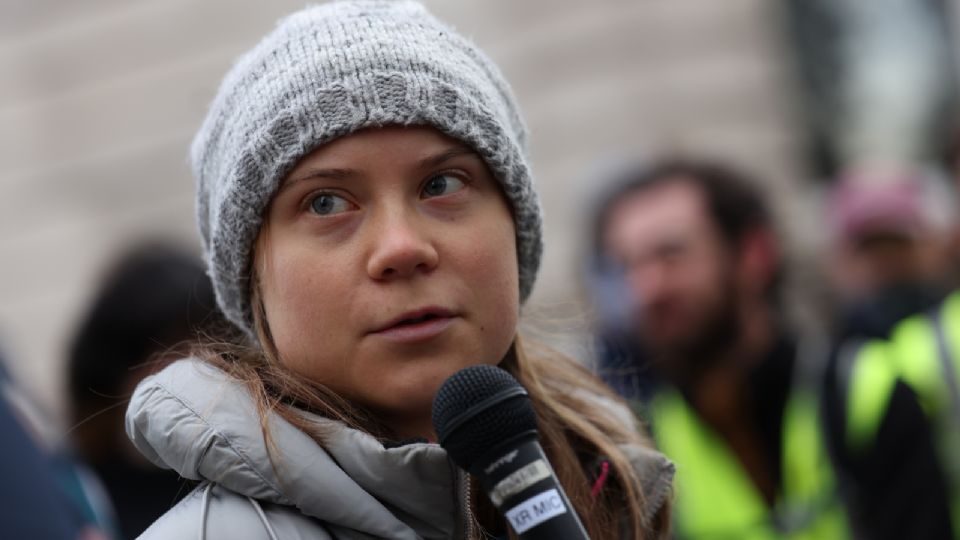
326, 72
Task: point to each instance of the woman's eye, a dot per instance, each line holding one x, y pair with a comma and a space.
442, 184
326, 204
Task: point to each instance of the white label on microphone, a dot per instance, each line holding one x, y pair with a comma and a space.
536, 510
519, 480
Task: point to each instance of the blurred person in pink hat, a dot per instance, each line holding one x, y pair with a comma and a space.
923, 350
891, 250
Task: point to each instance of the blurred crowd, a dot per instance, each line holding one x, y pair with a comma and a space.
844, 426
780, 430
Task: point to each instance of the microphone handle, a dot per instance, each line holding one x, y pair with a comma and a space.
521, 483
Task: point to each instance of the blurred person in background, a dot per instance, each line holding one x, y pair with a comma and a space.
891, 250
924, 351
880, 84
42, 497
741, 406
154, 298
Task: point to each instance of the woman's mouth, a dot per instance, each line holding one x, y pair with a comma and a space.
418, 325
418, 320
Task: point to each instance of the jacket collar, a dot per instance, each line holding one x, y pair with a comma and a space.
196, 420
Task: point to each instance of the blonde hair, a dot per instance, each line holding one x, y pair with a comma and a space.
574, 427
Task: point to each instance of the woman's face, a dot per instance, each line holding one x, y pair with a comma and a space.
387, 262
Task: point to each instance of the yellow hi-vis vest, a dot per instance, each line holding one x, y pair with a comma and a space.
715, 497
924, 351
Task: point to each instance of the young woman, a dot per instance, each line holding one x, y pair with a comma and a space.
370, 227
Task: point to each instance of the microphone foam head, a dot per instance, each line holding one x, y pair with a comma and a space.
476, 409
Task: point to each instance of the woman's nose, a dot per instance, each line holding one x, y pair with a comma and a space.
402, 246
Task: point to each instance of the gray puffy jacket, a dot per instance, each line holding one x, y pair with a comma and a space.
194, 419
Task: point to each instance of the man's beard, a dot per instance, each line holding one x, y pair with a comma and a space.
716, 334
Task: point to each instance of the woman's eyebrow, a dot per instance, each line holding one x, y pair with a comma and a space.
313, 174
439, 159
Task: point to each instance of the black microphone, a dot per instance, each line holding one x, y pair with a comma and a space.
486, 423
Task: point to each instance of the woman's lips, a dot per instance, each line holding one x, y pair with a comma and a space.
418, 331
417, 325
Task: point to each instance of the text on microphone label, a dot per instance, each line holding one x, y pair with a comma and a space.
536, 510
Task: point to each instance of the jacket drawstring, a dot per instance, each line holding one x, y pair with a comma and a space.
263, 518
205, 507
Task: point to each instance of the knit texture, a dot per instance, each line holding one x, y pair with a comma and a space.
326, 72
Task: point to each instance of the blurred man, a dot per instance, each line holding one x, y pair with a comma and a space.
740, 409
